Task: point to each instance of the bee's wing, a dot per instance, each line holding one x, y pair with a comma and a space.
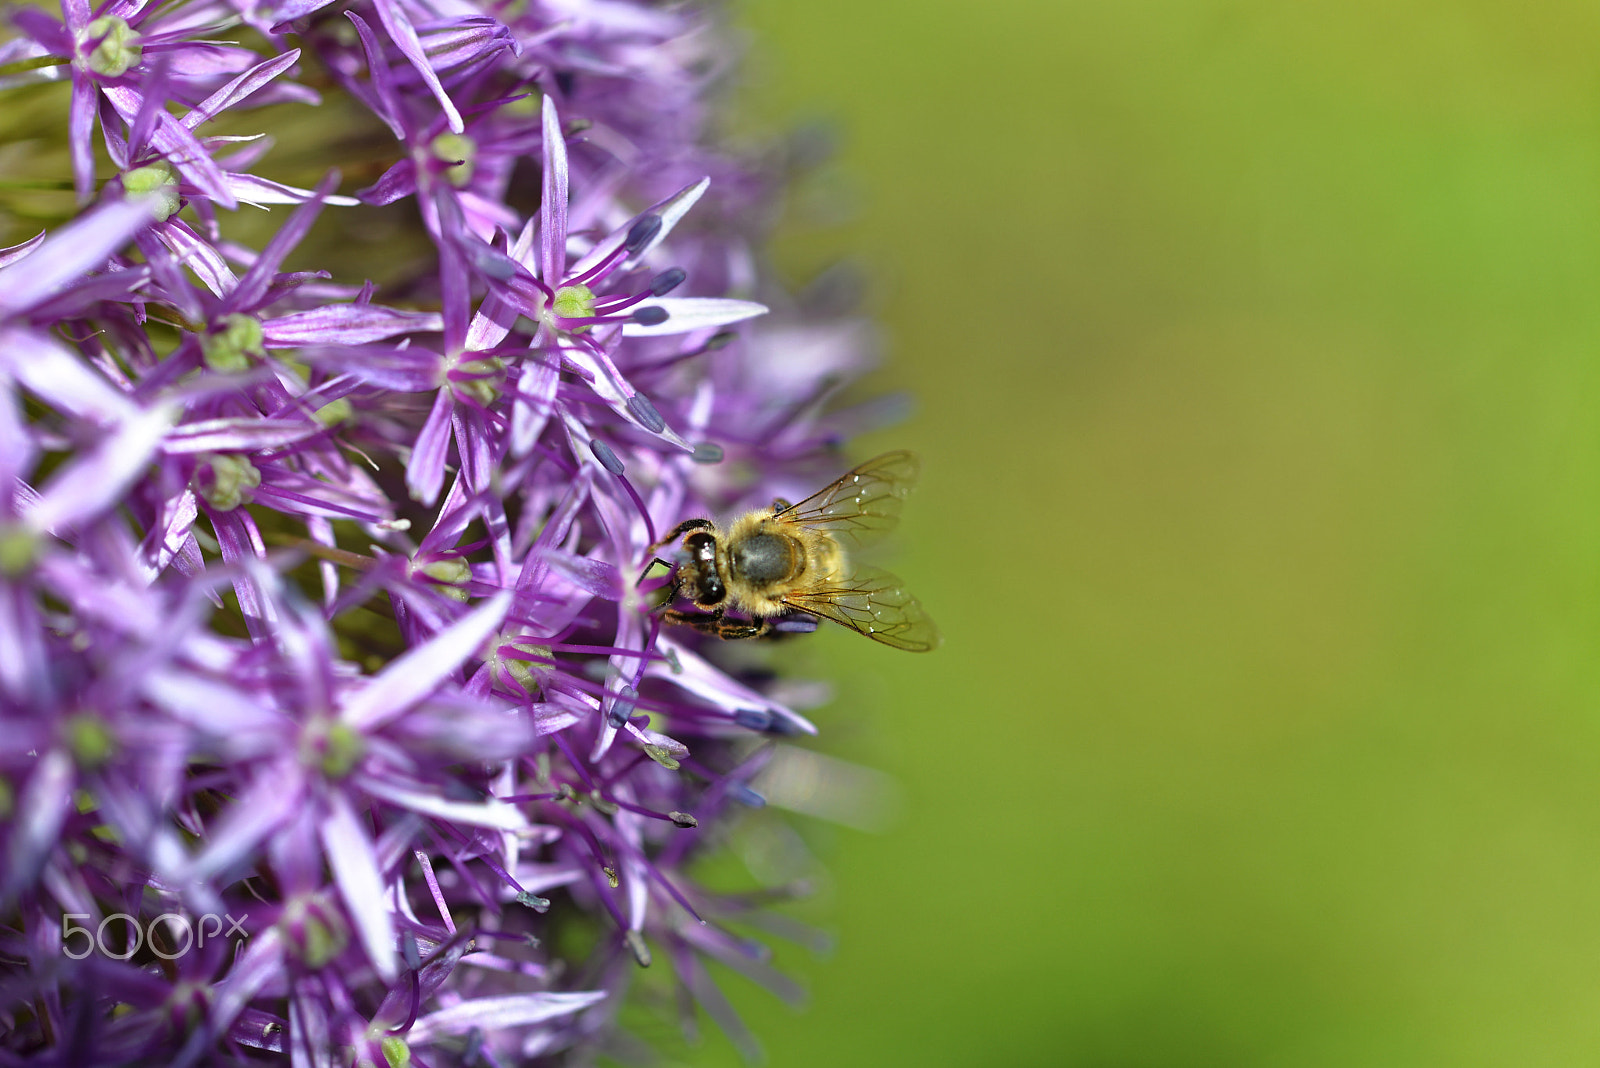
863, 504
872, 602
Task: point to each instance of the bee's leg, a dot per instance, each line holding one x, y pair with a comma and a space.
714, 623
758, 628
681, 529
654, 560
666, 602
704, 622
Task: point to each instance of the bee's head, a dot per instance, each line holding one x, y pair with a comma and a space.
698, 566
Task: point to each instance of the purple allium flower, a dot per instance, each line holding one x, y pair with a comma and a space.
331, 695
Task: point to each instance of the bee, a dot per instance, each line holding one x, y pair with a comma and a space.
792, 558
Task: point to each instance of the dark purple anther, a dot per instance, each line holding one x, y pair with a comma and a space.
642, 233
754, 719
607, 458
408, 951
622, 707
646, 413
650, 316
667, 281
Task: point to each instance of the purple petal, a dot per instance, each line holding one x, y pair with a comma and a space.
11, 255
241, 543
355, 868
425, 472
82, 246
420, 671
551, 718
608, 383
301, 494
455, 292
294, 10
252, 288
17, 448
693, 313
351, 324
388, 105
239, 435
44, 30
96, 481
22, 647
405, 370
197, 254
76, 14
80, 132
404, 36
465, 40
713, 686
258, 192
596, 577
536, 394
212, 707
168, 534
240, 88
671, 210
112, 604
553, 208
260, 964
496, 316
174, 141
152, 104
493, 1013
496, 815
40, 811
195, 60
396, 183
473, 446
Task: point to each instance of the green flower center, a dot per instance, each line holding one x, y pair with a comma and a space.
230, 349
226, 481
478, 379
522, 670
315, 934
573, 302
395, 1051
334, 412
19, 547
452, 575
118, 49
157, 180
332, 747
460, 151
89, 739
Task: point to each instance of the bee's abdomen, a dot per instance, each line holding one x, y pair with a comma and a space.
763, 559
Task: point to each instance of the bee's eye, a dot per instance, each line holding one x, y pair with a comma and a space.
701, 547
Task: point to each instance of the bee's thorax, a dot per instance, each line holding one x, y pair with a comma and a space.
765, 559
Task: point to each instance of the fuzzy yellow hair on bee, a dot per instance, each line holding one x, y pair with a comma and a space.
797, 558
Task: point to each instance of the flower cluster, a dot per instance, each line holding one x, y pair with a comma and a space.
327, 610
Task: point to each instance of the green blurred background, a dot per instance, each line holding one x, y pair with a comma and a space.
1256, 352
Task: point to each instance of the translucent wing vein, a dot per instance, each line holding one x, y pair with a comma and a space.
863, 504
871, 602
